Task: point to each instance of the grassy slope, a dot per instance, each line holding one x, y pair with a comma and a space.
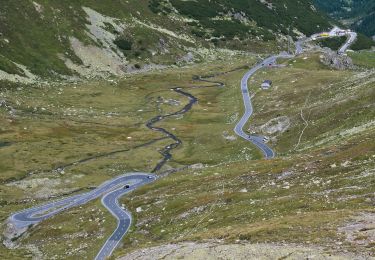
278, 18
37, 37
364, 58
297, 197
65, 129
35, 41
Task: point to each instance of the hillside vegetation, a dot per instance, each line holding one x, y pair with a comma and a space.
320, 123
359, 14
234, 18
65, 39
61, 135
84, 39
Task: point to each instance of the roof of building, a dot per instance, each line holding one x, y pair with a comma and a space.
267, 81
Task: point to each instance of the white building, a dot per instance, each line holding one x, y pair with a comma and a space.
266, 84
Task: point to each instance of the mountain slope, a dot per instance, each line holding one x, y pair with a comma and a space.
320, 123
89, 38
360, 14
61, 141
276, 16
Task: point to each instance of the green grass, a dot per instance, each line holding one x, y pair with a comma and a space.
266, 212
36, 40
296, 209
363, 58
9, 67
39, 38
363, 43
297, 197
317, 92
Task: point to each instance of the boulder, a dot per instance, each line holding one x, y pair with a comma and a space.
336, 61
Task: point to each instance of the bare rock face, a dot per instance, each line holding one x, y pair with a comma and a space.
336, 61
189, 57
163, 45
11, 233
9, 108
277, 125
360, 231
240, 16
197, 166
217, 250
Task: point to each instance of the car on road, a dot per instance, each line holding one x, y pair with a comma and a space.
127, 186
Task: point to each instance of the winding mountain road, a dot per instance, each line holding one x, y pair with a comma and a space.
112, 190
270, 61
352, 38
124, 219
239, 128
335, 32
42, 212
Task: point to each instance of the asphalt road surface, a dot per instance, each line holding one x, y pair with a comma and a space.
270, 61
112, 191
124, 219
239, 128
350, 41
352, 36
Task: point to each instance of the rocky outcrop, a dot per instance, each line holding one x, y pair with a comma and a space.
336, 61
360, 231
189, 57
274, 126
12, 233
216, 250
8, 107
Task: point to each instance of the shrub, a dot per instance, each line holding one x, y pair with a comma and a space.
123, 44
156, 6
198, 33
332, 43
362, 43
